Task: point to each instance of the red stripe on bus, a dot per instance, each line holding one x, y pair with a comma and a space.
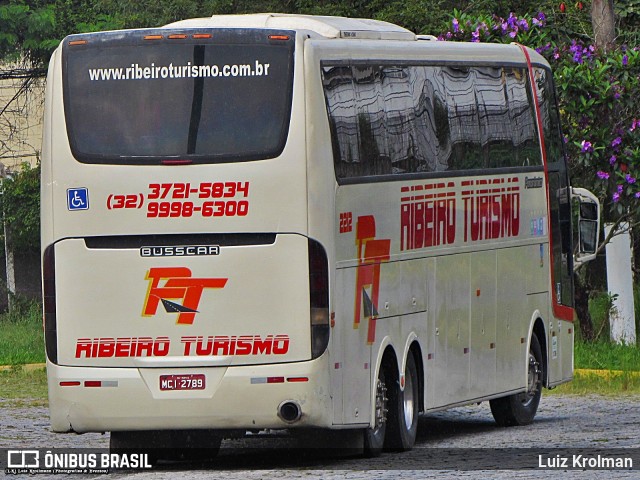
560, 311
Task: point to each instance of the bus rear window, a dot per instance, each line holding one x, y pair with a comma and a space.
203, 96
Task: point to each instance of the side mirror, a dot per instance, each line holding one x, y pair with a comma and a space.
588, 225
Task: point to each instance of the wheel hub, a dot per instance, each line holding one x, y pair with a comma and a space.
408, 402
534, 379
381, 404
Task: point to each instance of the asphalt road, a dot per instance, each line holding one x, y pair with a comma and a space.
461, 442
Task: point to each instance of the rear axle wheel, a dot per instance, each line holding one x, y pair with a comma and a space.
521, 408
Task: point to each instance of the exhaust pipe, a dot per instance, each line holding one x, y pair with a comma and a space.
289, 411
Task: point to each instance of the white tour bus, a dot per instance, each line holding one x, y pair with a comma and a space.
295, 222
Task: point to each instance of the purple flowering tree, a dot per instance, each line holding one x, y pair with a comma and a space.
598, 95
598, 88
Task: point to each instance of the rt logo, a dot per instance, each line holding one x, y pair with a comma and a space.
177, 285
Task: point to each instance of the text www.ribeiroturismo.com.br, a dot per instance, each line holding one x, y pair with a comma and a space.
153, 71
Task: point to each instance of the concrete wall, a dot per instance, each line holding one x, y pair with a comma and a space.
21, 113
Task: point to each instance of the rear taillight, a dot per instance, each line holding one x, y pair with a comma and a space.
49, 303
319, 298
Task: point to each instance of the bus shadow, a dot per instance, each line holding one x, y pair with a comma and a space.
282, 450
433, 429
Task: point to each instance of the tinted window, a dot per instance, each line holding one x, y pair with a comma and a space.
408, 119
224, 98
559, 197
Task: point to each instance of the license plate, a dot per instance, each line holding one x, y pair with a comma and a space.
194, 381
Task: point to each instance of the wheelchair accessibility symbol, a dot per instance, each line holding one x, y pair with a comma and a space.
78, 199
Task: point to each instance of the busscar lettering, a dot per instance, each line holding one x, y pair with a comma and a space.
180, 251
235, 345
533, 182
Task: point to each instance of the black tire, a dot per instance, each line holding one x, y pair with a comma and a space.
521, 408
402, 424
374, 437
145, 442
200, 445
167, 444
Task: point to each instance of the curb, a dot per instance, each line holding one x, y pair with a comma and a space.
586, 372
30, 367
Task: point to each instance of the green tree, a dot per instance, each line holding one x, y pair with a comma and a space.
21, 208
26, 31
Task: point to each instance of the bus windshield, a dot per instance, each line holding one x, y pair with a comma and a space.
199, 96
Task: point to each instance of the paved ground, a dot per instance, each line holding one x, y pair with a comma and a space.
462, 438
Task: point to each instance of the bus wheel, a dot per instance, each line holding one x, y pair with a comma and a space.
194, 445
403, 410
167, 444
521, 408
374, 437
145, 442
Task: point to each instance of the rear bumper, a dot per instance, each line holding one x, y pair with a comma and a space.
233, 398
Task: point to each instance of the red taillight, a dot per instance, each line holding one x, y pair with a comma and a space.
176, 162
319, 298
297, 379
318, 276
263, 380
70, 384
49, 303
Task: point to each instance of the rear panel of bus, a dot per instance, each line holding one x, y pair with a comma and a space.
174, 212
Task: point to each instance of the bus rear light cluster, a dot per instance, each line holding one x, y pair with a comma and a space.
181, 36
178, 36
319, 298
173, 36
262, 380
49, 303
177, 162
70, 384
89, 383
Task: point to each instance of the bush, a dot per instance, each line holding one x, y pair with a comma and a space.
600, 306
21, 209
21, 335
